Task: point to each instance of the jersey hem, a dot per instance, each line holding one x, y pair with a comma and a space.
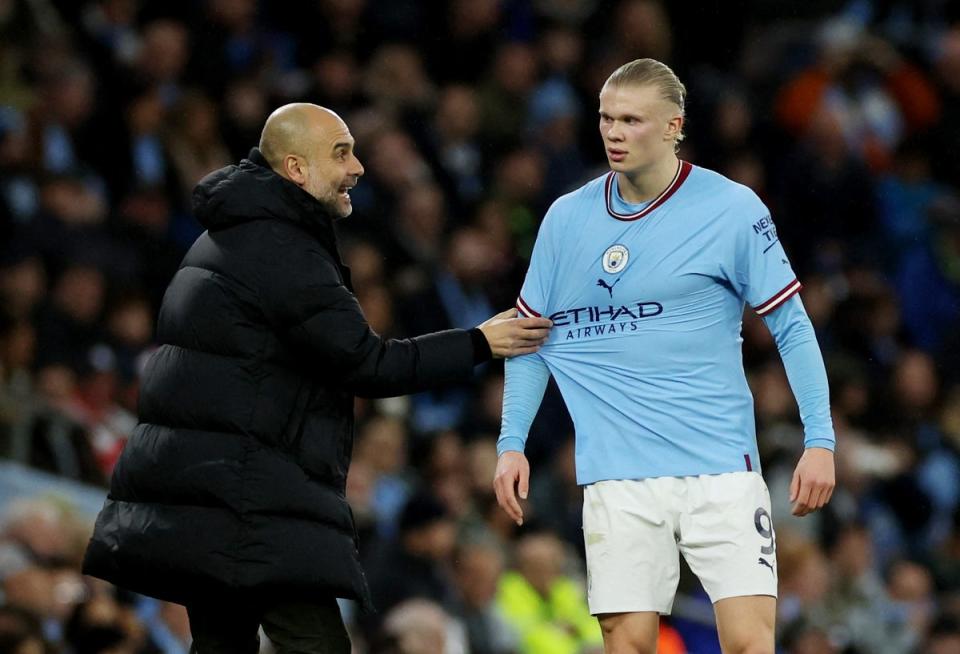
583, 480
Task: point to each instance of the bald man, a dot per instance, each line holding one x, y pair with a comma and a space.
229, 497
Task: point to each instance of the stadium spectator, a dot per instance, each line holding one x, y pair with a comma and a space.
944, 636
504, 96
931, 264
336, 79
70, 324
453, 297
546, 607
479, 568
454, 145
556, 501
419, 626
382, 444
23, 281
878, 95
397, 84
858, 603
21, 632
415, 564
414, 242
826, 203
946, 134
804, 581
193, 141
905, 196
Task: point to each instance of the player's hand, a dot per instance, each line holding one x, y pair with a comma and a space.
510, 336
512, 477
813, 481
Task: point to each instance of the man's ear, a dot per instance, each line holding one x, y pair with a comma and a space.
294, 169
674, 128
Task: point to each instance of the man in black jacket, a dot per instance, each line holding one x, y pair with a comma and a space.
229, 497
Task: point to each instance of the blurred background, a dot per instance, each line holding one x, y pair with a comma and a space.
471, 116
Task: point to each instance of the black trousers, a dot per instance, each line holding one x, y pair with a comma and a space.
294, 627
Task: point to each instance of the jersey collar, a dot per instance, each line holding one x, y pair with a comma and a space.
683, 170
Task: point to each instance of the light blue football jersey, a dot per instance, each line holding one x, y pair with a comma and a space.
647, 303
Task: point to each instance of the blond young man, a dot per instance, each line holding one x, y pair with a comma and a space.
645, 273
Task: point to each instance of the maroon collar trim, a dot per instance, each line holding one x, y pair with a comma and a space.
683, 170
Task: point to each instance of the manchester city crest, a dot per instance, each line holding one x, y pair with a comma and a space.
615, 258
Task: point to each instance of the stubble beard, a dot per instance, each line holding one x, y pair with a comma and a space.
336, 208
331, 202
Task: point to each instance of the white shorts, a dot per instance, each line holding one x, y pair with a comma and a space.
634, 531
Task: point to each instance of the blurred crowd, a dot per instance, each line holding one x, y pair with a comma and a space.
471, 116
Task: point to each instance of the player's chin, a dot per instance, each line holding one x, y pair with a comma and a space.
620, 166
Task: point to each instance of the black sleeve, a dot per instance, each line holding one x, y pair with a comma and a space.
319, 316
481, 347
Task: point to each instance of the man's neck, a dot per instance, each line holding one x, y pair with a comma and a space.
644, 185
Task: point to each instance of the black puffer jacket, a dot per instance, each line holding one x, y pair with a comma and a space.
234, 478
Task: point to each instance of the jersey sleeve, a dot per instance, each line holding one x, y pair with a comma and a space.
762, 274
803, 363
525, 380
535, 293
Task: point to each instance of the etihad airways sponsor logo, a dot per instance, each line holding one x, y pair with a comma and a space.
609, 313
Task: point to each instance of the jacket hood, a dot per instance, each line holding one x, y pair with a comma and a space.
251, 190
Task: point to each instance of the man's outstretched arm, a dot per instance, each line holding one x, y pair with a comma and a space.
324, 321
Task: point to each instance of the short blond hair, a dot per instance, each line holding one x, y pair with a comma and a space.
650, 72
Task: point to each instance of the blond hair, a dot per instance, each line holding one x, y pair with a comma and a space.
650, 72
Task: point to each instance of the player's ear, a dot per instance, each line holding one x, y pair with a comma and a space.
674, 128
